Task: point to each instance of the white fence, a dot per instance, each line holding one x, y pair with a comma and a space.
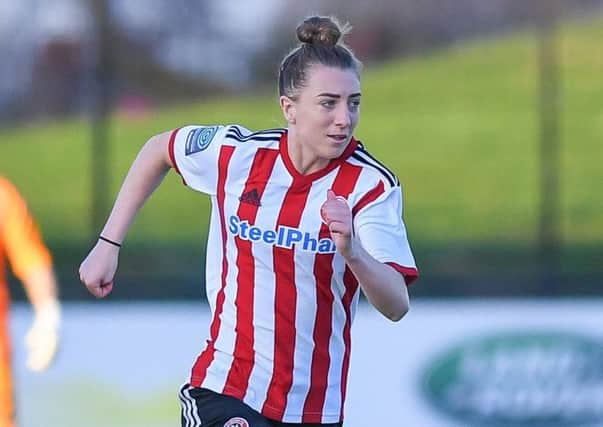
447, 364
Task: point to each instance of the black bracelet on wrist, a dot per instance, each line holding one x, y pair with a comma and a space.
110, 241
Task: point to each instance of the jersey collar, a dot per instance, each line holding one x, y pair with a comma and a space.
284, 151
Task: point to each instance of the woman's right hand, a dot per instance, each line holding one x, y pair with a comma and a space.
98, 269
146, 173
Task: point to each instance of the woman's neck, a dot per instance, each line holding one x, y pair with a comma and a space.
304, 159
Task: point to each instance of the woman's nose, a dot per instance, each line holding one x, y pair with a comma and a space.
343, 118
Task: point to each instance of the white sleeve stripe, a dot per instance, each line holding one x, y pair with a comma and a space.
363, 150
364, 158
234, 132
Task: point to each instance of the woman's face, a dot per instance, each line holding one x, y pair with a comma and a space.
325, 114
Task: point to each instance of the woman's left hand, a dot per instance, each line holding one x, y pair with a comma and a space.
336, 213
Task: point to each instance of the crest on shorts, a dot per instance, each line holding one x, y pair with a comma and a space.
236, 422
199, 139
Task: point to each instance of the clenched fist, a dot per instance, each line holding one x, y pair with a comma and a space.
98, 269
336, 213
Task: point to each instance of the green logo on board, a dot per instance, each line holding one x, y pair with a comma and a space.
519, 380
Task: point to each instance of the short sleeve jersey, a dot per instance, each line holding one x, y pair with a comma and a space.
20, 240
282, 298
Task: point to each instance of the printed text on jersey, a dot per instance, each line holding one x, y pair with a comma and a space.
283, 236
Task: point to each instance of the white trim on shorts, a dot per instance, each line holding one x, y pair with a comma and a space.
190, 412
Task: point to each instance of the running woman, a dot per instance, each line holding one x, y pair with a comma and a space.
302, 218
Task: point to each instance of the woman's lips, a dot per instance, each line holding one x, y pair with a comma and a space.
338, 138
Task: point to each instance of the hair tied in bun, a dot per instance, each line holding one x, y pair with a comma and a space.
319, 30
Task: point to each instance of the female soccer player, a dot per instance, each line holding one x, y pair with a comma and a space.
301, 218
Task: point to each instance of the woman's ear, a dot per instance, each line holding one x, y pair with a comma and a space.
288, 108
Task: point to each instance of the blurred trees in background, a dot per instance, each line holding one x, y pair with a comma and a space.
183, 49
468, 117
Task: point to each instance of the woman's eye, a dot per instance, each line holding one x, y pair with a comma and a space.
328, 103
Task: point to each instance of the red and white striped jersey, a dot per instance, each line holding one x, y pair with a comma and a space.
282, 299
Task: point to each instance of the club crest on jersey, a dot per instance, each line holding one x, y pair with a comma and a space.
236, 422
283, 236
199, 139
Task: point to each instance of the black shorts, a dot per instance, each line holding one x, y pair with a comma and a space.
204, 408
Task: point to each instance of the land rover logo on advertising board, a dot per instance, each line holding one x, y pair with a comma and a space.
519, 380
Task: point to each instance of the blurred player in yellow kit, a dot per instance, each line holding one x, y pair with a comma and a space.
30, 261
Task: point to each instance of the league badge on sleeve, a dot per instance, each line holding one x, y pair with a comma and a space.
199, 139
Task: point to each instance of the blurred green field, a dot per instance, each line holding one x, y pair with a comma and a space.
460, 127
102, 406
